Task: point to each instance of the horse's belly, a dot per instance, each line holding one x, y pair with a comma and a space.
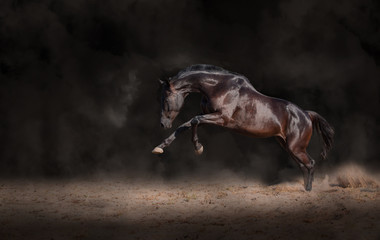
257, 130
256, 122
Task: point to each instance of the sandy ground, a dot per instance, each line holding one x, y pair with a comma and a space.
224, 208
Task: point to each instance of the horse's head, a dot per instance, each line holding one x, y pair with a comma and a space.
171, 103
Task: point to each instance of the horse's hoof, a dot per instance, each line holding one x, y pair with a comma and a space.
308, 188
199, 151
157, 150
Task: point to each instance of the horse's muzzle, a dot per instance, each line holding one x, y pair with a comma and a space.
166, 123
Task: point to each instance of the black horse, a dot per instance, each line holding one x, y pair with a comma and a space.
229, 100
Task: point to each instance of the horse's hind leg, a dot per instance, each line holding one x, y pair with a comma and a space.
297, 149
307, 166
282, 143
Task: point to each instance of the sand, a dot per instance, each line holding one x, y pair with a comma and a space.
227, 207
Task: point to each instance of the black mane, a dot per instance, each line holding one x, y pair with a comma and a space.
204, 68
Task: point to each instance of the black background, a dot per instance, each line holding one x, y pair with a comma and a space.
79, 93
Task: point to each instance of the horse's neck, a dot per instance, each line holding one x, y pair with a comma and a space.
200, 84
189, 85
205, 82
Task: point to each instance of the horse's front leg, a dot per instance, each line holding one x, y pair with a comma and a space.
212, 118
160, 148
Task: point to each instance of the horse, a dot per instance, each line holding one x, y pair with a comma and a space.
230, 101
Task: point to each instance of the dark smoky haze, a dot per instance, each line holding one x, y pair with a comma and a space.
79, 93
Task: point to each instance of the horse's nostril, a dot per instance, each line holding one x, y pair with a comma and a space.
162, 125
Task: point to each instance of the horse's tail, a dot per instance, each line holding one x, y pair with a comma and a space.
324, 129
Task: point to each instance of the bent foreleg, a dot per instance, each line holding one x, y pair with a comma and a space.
160, 148
212, 118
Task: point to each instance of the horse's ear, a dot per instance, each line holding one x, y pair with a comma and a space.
164, 82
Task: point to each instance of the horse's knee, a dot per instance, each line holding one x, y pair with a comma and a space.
195, 121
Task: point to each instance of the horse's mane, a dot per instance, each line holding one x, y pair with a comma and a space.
203, 68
